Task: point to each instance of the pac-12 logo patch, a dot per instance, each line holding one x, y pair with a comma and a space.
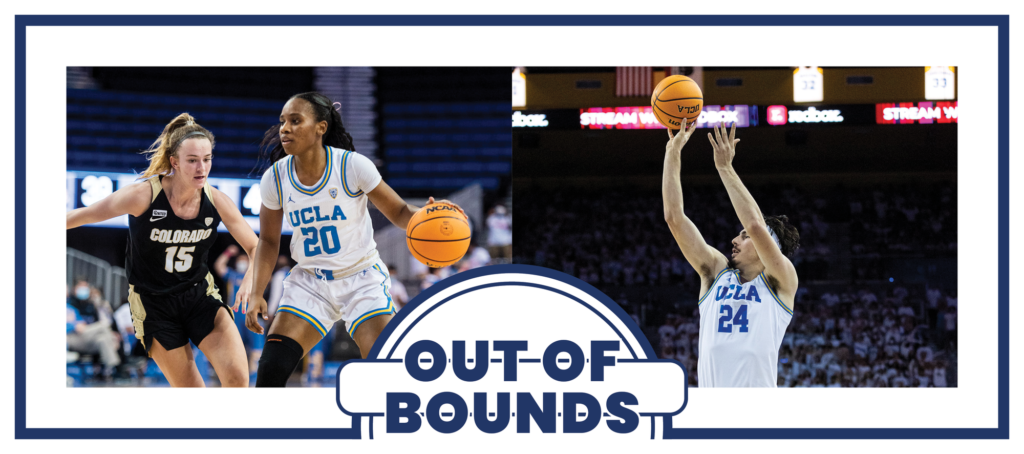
511, 350
209, 221
333, 192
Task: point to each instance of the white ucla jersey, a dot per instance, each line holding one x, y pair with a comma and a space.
741, 330
331, 225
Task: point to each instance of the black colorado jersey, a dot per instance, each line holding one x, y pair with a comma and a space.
167, 254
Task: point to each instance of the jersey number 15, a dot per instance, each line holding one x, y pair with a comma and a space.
184, 261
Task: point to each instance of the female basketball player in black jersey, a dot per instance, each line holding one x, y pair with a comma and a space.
173, 222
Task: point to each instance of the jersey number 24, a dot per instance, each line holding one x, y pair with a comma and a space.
726, 321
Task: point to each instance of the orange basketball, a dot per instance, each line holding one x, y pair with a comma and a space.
677, 98
438, 235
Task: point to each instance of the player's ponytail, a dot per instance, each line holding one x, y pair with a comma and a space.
323, 110
182, 127
788, 234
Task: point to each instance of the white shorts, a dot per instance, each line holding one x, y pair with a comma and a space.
322, 302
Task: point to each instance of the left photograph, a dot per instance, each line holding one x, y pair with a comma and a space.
241, 227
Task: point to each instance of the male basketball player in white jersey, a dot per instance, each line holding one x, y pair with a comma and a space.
746, 300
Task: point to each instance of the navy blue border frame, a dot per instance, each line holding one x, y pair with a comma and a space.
1002, 22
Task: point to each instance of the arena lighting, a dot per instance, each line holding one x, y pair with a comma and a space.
642, 117
916, 112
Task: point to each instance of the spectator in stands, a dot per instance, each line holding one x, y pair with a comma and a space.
233, 276
476, 256
433, 276
80, 300
877, 323
398, 291
133, 355
94, 338
499, 233
101, 305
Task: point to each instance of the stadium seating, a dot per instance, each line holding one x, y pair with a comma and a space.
446, 146
107, 129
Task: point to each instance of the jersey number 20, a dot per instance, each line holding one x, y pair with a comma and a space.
726, 321
327, 236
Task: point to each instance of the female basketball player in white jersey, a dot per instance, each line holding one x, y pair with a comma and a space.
173, 222
746, 301
320, 187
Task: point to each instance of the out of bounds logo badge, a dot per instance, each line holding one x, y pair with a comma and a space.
511, 350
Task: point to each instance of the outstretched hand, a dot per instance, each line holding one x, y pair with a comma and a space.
724, 142
257, 309
677, 140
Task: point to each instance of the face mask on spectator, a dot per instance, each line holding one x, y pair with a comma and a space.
241, 266
82, 293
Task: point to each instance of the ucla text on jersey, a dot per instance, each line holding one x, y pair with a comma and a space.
331, 226
740, 335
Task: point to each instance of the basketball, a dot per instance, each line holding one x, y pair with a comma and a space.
677, 98
438, 235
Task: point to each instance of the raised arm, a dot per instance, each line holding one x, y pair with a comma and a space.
132, 200
702, 257
775, 263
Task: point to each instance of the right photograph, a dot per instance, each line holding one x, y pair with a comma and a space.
763, 226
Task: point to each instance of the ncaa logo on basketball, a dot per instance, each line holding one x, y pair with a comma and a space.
440, 207
515, 350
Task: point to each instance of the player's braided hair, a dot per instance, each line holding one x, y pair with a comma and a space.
323, 109
788, 235
181, 128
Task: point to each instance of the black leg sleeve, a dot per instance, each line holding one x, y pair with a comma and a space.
280, 356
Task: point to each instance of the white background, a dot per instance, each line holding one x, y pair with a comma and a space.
972, 50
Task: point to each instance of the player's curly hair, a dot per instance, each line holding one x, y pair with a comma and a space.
323, 109
788, 234
181, 128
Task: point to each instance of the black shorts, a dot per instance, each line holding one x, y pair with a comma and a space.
174, 320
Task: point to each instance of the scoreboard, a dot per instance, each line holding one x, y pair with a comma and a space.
85, 188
